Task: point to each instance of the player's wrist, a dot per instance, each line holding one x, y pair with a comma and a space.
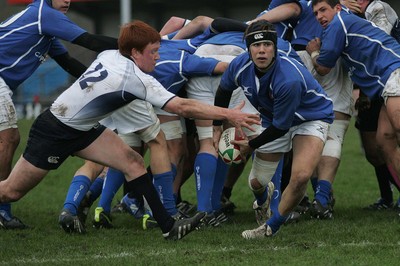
314, 54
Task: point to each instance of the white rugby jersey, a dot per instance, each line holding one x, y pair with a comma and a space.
382, 15
110, 82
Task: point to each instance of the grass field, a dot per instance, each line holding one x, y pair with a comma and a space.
354, 237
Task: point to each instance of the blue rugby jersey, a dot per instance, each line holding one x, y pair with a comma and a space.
29, 36
228, 38
287, 95
236, 38
175, 67
369, 54
282, 27
307, 27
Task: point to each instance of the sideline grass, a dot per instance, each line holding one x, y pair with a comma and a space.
354, 237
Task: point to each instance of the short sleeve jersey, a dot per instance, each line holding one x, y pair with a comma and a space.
189, 45
29, 36
369, 54
307, 27
282, 27
111, 82
287, 95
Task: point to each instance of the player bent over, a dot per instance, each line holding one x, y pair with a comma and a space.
70, 126
295, 113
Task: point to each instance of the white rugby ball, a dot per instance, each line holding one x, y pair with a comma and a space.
230, 153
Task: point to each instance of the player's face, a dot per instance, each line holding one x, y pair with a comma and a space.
363, 5
325, 13
262, 54
61, 5
146, 60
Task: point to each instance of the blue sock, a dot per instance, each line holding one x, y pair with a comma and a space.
314, 183
96, 188
219, 180
113, 181
205, 166
323, 191
164, 186
174, 171
276, 221
77, 190
276, 179
5, 211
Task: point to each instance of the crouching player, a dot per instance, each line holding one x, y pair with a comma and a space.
295, 112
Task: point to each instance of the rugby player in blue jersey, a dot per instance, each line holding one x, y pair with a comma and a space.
372, 58
26, 39
337, 86
383, 16
295, 112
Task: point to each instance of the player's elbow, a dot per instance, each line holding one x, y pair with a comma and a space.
220, 68
179, 106
322, 71
296, 9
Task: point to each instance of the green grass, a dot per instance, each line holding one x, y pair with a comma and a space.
354, 237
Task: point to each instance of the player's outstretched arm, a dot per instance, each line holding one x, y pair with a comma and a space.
194, 109
97, 43
70, 64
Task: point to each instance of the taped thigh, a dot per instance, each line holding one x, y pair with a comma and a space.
132, 139
334, 142
172, 129
150, 132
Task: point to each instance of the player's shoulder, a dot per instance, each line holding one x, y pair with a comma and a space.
240, 61
290, 70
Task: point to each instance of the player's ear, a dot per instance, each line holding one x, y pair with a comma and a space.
134, 53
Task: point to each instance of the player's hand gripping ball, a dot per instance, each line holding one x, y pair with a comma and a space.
230, 153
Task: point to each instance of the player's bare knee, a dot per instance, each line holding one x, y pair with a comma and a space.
134, 160
9, 142
255, 185
10, 196
301, 176
298, 183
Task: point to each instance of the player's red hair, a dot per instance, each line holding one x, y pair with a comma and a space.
136, 34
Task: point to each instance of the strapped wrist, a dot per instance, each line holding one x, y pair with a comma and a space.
314, 54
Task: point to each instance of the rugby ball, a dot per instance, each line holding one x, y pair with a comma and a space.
229, 153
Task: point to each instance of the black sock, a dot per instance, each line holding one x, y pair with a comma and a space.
143, 186
227, 192
383, 175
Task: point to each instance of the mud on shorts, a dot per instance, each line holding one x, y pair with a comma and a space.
8, 114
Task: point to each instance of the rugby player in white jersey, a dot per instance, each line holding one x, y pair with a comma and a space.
71, 125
